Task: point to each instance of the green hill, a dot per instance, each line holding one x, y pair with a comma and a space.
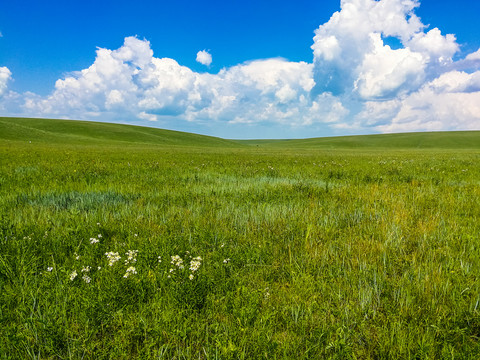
96, 133
86, 132
421, 140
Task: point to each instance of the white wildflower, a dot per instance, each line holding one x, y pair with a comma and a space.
267, 293
49, 269
195, 263
86, 278
159, 259
191, 276
99, 236
94, 241
77, 257
226, 261
113, 257
177, 261
73, 275
131, 257
86, 269
130, 271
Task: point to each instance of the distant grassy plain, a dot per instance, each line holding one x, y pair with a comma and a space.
341, 248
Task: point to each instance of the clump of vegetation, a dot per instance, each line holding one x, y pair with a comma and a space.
148, 251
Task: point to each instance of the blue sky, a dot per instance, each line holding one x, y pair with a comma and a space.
373, 67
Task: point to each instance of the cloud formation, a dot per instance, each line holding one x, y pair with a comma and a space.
5, 76
204, 57
357, 82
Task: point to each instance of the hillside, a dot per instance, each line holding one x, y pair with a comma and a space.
96, 133
421, 140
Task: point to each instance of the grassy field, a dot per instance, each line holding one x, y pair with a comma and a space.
122, 242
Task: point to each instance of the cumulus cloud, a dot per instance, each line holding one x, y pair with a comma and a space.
5, 76
356, 82
131, 83
474, 56
350, 55
415, 87
204, 57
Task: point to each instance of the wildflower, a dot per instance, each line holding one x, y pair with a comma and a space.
223, 244
86, 269
177, 261
77, 257
130, 271
86, 278
73, 275
195, 263
191, 276
131, 257
94, 241
99, 236
172, 270
113, 257
267, 293
99, 268
49, 269
226, 261
159, 259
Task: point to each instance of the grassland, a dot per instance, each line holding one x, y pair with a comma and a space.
308, 250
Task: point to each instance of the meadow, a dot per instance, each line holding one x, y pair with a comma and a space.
121, 242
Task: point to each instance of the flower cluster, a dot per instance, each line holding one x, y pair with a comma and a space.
177, 261
195, 263
130, 271
73, 275
113, 257
85, 277
131, 257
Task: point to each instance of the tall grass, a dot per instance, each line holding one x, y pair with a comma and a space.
304, 253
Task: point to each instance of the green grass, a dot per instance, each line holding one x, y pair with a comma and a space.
305, 253
424, 140
95, 133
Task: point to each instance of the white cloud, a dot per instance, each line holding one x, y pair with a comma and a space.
131, 83
5, 76
204, 57
435, 47
449, 102
474, 56
350, 55
385, 72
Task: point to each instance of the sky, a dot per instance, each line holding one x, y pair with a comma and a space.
245, 69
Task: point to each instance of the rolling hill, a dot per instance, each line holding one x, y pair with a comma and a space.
85, 132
